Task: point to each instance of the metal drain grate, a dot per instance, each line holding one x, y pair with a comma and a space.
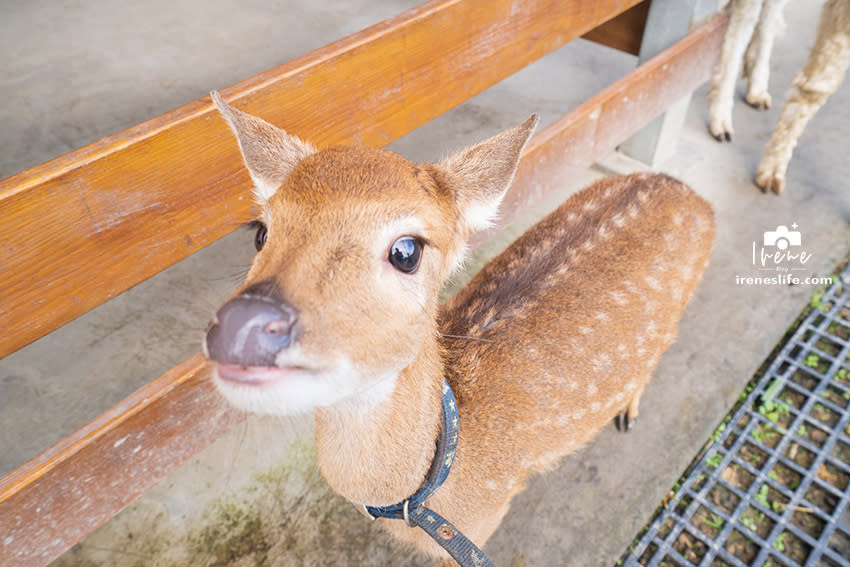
772, 489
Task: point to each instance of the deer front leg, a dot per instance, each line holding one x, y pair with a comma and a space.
757, 60
822, 75
742, 22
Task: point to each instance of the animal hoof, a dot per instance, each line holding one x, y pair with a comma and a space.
623, 423
771, 182
722, 135
721, 129
759, 101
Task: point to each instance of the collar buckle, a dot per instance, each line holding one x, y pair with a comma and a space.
406, 514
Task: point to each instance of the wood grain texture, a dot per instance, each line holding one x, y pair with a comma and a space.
79, 230
624, 31
65, 493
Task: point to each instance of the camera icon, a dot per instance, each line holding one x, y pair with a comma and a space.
782, 238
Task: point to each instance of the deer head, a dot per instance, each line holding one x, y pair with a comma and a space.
354, 247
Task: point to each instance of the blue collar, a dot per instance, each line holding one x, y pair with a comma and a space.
413, 510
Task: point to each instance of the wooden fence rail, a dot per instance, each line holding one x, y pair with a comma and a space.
126, 207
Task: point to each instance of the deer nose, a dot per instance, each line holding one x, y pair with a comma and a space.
250, 330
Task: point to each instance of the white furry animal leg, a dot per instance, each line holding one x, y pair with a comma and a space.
757, 61
822, 75
742, 22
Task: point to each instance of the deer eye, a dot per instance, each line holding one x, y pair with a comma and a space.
405, 254
260, 237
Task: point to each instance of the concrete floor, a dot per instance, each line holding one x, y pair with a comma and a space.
77, 71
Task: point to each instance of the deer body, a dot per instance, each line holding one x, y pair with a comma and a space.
549, 342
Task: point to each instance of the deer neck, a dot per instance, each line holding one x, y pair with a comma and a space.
379, 453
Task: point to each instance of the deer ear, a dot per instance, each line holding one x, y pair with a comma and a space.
480, 175
268, 151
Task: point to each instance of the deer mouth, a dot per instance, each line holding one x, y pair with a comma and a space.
254, 375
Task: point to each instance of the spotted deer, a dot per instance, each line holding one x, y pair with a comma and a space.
553, 339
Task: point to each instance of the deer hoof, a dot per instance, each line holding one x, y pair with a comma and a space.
721, 129
623, 423
722, 136
759, 101
772, 182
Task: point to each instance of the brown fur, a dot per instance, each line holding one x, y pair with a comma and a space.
543, 348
